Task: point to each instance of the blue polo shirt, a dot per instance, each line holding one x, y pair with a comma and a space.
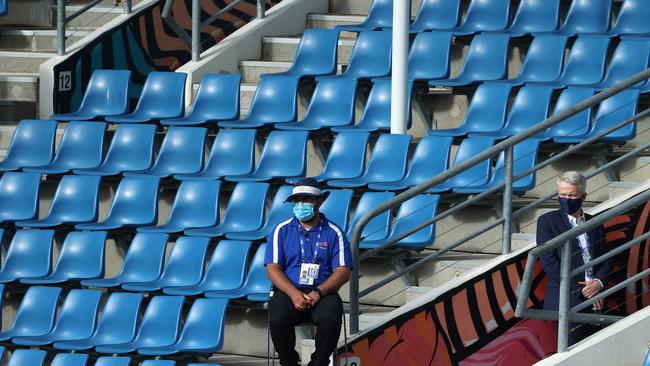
326, 239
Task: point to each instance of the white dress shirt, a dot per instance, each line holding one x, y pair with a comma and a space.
583, 242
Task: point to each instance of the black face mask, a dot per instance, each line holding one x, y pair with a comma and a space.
570, 205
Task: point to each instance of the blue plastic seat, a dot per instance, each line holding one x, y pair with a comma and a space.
217, 99
587, 17
107, 94
131, 149
387, 162
586, 62
81, 257
611, 111
412, 213
158, 363
531, 106
575, 125
475, 176
184, 266
29, 255
487, 59
370, 57
69, 359
19, 196
632, 19
524, 158
535, 16
202, 331
27, 357
245, 211
159, 326
226, 270
436, 14
143, 261
117, 324
81, 147
4, 8
630, 57
485, 16
377, 228
486, 112
163, 97
32, 144
278, 212
135, 204
196, 205
316, 54
75, 201
331, 105
35, 316
429, 56
284, 155
544, 59
113, 361
430, 158
181, 152
380, 16
337, 206
232, 154
257, 285
76, 320
275, 101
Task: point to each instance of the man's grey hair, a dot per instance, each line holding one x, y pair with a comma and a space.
574, 178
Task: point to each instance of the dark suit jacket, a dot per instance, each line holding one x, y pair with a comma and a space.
552, 224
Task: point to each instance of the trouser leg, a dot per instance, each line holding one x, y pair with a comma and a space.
283, 317
326, 315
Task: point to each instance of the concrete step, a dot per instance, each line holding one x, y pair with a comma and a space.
332, 20
94, 17
12, 112
617, 189
252, 70
19, 87
22, 62
37, 40
361, 6
284, 49
104, 3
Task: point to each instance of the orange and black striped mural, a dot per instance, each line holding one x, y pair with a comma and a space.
146, 43
474, 323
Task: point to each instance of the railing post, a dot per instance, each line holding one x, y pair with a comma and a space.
127, 7
399, 72
196, 30
261, 9
507, 201
563, 308
354, 286
60, 27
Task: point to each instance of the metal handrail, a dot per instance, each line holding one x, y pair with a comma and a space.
506, 145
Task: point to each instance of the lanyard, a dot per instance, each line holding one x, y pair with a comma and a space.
314, 258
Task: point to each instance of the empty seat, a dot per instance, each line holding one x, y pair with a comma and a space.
113, 361
371, 56
630, 57
27, 357
275, 101
76, 320
143, 261
232, 154
257, 285
217, 99
69, 359
544, 59
158, 327
117, 324
331, 105
245, 211
202, 331
75, 201
35, 316
131, 149
535, 16
29, 255
158, 363
632, 19
486, 112
474, 176
81, 147
430, 158
19, 196
576, 125
377, 228
380, 16
487, 59
226, 270
337, 206
316, 54
485, 16
587, 17
284, 155
429, 56
436, 14
163, 97
135, 204
278, 212
107, 94
32, 144
4, 8
196, 205
184, 266
387, 162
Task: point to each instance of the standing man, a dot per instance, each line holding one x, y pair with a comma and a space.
571, 188
308, 259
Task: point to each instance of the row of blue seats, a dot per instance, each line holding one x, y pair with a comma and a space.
36, 357
532, 16
120, 329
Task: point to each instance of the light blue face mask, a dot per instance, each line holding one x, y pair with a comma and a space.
304, 211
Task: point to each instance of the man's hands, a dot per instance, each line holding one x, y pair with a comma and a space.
302, 301
591, 289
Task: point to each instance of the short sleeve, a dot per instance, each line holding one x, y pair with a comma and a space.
274, 248
341, 253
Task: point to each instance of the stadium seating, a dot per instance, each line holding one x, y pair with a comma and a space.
429, 56
278, 212
630, 57
485, 16
436, 15
371, 56
587, 17
69, 359
113, 361
377, 228
158, 363
107, 94
380, 16
163, 97
534, 16
19, 196
35, 316
217, 99
27, 357
32, 144
575, 125
632, 19
257, 285
29, 255
337, 206
544, 59
316, 54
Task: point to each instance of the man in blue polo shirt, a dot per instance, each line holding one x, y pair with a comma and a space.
308, 259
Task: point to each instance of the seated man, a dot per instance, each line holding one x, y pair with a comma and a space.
308, 259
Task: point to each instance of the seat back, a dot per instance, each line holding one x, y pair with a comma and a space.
536, 16
588, 17
19, 196
278, 211
317, 53
577, 124
377, 228
388, 160
347, 156
376, 115
35, 316
412, 213
144, 259
27, 357
82, 255
232, 153
337, 207
431, 157
217, 98
196, 204
531, 106
380, 15
478, 174
332, 103
227, 267
160, 322
436, 14
185, 264
131, 148
630, 57
29, 255
136, 201
615, 109
77, 316
107, 93
181, 151
429, 56
544, 58
163, 95
158, 363
586, 63
487, 15
524, 158
113, 361
487, 109
76, 199
203, 328
284, 155
275, 100
119, 319
245, 210
69, 359
633, 18
487, 58
257, 281
81, 146
371, 56
32, 144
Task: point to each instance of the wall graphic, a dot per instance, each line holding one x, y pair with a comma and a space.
146, 43
474, 324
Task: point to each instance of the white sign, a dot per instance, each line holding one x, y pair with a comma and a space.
65, 81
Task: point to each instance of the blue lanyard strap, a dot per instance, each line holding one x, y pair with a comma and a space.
314, 258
